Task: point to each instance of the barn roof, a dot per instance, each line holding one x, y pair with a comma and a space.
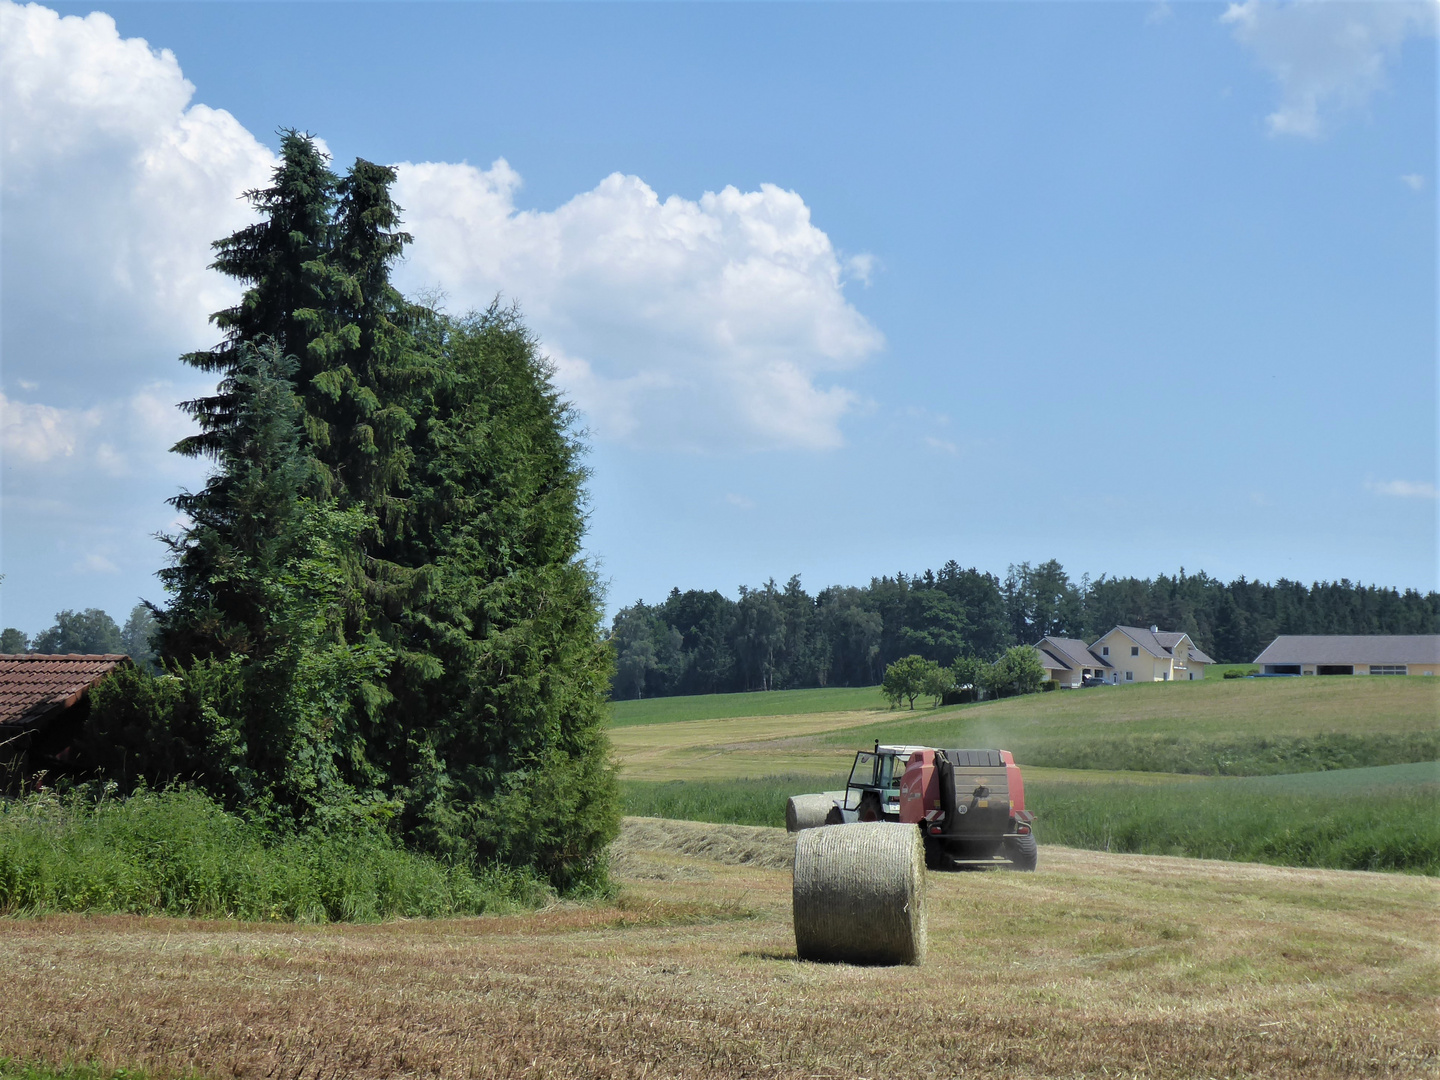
1352, 649
35, 684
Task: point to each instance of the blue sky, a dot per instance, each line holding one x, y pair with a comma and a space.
1134, 286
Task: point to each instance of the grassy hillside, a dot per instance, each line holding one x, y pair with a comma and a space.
1219, 727
669, 710
1320, 772
1355, 705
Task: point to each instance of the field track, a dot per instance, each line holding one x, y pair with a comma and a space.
1095, 965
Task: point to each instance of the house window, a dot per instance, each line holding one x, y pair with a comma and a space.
1387, 669
1134, 650
1105, 650
1129, 676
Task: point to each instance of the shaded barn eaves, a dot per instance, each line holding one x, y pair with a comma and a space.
35, 685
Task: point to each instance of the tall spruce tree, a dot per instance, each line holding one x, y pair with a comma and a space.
282, 260
264, 590
433, 465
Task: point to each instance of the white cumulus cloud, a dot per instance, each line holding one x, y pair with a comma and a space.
116, 437
713, 323
113, 186
1325, 53
36, 433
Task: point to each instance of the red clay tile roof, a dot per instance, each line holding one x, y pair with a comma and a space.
32, 684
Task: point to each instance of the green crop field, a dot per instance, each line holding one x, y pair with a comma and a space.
1337, 772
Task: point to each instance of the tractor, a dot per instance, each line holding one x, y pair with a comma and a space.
968, 804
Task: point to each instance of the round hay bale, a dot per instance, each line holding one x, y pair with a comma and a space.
859, 894
807, 811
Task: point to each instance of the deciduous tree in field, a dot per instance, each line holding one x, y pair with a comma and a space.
906, 679
1017, 672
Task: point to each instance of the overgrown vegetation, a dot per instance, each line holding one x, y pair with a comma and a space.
14, 1069
379, 616
178, 853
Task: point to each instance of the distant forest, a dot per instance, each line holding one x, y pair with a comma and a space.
779, 637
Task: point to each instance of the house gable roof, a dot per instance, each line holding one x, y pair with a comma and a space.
1071, 654
1159, 644
1352, 649
32, 685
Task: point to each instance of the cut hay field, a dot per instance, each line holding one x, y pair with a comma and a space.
666, 710
1095, 965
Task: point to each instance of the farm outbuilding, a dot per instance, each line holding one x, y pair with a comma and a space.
1351, 654
43, 703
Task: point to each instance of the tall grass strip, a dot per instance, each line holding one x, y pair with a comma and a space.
178, 853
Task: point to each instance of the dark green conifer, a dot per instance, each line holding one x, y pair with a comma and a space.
281, 258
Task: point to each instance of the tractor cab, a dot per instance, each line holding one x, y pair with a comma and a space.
873, 790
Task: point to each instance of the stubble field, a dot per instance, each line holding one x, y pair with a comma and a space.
1095, 965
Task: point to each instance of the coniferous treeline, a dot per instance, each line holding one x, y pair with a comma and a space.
781, 637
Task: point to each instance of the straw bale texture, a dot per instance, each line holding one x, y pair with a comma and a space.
859, 894
808, 811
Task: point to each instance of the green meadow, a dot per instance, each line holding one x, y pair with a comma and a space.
1333, 772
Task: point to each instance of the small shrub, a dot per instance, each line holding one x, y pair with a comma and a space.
1237, 673
1049, 685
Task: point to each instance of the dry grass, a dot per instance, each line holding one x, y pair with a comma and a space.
1096, 965
745, 746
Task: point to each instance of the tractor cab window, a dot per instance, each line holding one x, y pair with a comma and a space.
891, 772
863, 774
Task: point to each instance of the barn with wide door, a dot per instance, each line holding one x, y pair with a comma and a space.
1351, 654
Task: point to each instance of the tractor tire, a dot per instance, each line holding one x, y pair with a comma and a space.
1022, 851
869, 808
936, 857
834, 817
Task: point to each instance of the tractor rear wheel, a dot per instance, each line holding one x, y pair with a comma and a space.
936, 857
869, 809
834, 817
1022, 851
